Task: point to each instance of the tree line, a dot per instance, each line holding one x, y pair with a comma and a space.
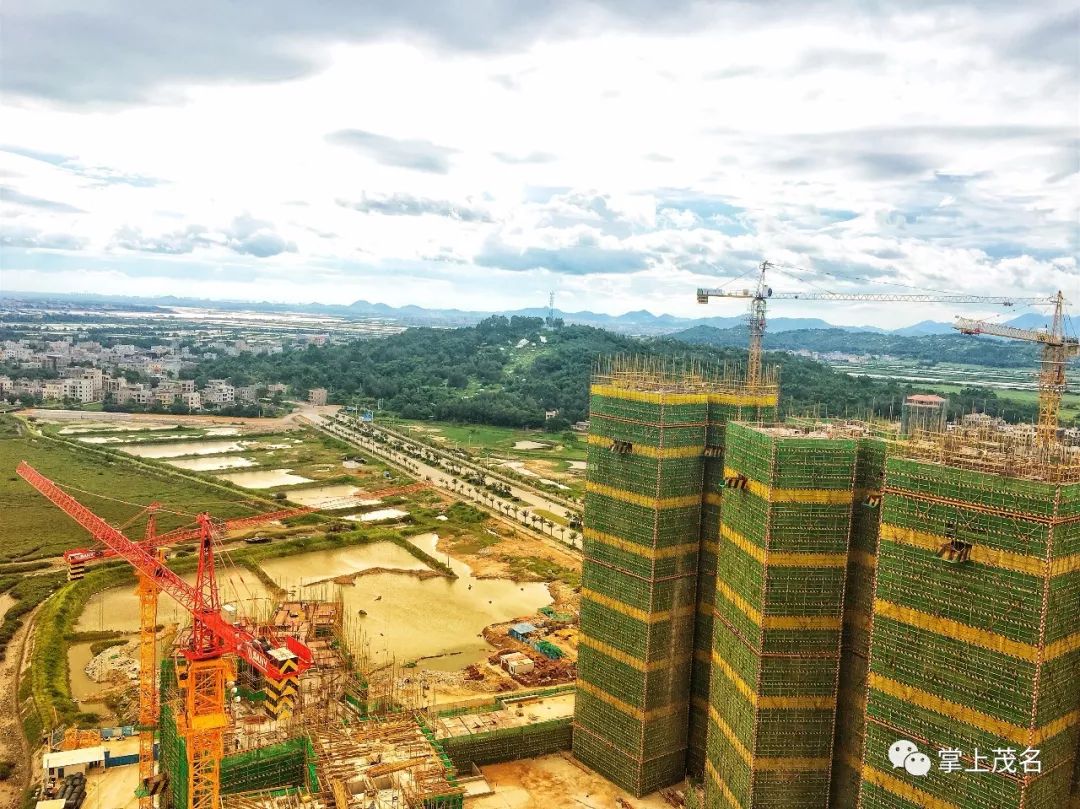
511, 371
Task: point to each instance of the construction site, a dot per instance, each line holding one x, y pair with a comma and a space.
773, 613
861, 586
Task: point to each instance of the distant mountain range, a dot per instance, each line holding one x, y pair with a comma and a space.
639, 322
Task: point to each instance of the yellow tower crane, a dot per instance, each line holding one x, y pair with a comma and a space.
1057, 349
763, 292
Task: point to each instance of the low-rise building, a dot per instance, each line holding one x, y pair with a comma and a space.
81, 389
219, 392
317, 396
247, 393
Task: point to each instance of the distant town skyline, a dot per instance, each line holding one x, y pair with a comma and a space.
621, 154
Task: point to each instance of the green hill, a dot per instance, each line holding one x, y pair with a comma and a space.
508, 371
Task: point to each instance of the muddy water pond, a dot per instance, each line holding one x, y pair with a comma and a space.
210, 464
115, 427
304, 569
117, 608
406, 617
324, 496
438, 618
174, 449
83, 688
531, 445
265, 478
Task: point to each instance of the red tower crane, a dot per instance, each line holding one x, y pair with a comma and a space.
203, 718
78, 558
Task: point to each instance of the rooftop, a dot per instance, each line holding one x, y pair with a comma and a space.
70, 758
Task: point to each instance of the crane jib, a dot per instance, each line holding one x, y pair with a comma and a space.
233, 638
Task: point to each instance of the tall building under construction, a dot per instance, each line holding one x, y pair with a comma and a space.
655, 439
782, 564
848, 587
975, 646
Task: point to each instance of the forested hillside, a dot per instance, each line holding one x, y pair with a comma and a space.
928, 348
508, 371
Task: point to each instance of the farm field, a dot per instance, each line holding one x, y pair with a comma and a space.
35, 528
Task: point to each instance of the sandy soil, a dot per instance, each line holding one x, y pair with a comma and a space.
5, 604
288, 422
489, 562
556, 780
114, 788
13, 746
550, 469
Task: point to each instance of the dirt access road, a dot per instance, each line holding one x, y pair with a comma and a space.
13, 747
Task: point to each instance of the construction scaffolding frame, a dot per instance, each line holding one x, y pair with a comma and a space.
649, 437
975, 643
392, 761
782, 567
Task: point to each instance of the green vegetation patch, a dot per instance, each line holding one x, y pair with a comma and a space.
35, 528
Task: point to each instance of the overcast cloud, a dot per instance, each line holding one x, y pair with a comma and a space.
478, 155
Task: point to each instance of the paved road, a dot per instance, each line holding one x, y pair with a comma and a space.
438, 476
491, 472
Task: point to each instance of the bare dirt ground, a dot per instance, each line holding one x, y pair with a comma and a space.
556, 780
13, 746
114, 788
288, 422
492, 562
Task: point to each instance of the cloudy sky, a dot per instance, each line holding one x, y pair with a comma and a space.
478, 154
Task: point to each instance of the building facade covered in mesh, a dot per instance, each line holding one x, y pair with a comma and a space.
858, 599
649, 430
782, 561
753, 406
975, 643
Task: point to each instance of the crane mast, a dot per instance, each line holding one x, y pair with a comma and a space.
205, 669
762, 292
1057, 348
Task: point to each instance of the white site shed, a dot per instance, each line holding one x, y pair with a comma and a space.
69, 762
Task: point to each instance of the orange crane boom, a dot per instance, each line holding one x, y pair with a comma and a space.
202, 718
195, 600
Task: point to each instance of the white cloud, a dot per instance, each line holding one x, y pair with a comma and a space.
931, 146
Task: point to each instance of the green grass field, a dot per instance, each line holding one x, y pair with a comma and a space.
966, 376
551, 461
114, 489
316, 456
485, 440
